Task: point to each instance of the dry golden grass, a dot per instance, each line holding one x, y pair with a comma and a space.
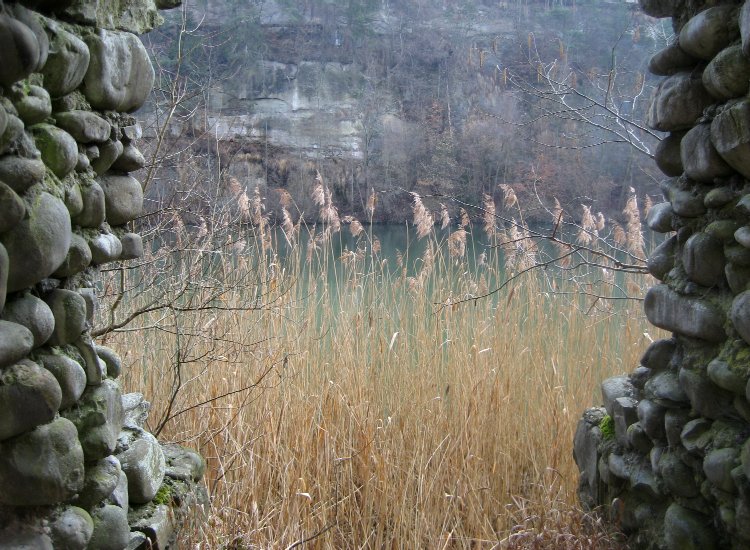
360, 414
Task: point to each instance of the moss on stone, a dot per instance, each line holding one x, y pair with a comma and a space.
163, 495
607, 426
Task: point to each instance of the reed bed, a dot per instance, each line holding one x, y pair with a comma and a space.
347, 401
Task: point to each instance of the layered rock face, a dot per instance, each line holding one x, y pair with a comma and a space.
75, 459
669, 452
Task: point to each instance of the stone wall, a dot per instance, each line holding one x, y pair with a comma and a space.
669, 452
77, 468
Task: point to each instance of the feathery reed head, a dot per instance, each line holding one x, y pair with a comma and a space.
509, 196
422, 217
488, 216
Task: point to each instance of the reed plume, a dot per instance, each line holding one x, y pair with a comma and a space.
463, 218
287, 226
633, 233
445, 219
488, 216
509, 196
587, 233
457, 243
422, 218
372, 201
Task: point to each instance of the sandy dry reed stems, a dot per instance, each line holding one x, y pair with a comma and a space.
354, 410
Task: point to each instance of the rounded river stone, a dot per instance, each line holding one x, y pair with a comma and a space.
123, 197
93, 212
71, 528
111, 529
667, 154
78, 258
20, 49
12, 207
59, 149
703, 259
111, 359
69, 309
710, 31
101, 479
29, 396
685, 315
98, 417
678, 103
105, 248
34, 106
730, 134
21, 173
718, 466
16, 341
132, 246
41, 467
84, 126
143, 462
685, 529
39, 244
670, 60
34, 314
120, 74
728, 74
740, 315
700, 159
109, 152
67, 62
130, 160
69, 375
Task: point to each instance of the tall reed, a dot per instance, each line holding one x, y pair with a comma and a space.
361, 406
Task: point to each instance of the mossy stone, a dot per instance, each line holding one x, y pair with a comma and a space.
101, 479
41, 467
728, 74
32, 313
20, 49
69, 375
38, 245
29, 396
16, 341
78, 258
98, 418
71, 528
67, 62
120, 74
21, 173
12, 207
69, 309
143, 462
111, 529
108, 152
94, 211
685, 529
34, 105
58, 148
84, 126
105, 248
709, 32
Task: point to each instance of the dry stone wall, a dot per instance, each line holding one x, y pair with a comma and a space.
669, 454
77, 468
